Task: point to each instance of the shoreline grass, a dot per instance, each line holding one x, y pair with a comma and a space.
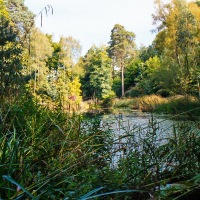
48, 154
153, 103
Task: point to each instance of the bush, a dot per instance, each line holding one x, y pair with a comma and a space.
117, 86
107, 100
163, 93
134, 92
179, 104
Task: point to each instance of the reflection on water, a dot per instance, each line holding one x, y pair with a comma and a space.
126, 123
129, 130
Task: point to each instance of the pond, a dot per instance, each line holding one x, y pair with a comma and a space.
130, 130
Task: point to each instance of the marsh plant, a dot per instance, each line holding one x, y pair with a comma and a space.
154, 103
160, 163
53, 155
49, 155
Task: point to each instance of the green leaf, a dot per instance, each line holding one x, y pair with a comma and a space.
109, 193
8, 178
196, 179
90, 193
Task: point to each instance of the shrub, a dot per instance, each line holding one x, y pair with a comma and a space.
149, 103
179, 104
134, 92
163, 93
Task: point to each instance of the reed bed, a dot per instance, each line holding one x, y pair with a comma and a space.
154, 103
47, 154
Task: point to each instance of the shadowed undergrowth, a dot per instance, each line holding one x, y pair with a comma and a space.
53, 155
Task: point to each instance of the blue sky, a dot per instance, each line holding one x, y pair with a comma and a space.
91, 21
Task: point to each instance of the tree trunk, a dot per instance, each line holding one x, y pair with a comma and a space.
122, 69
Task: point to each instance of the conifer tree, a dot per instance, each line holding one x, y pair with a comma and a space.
122, 46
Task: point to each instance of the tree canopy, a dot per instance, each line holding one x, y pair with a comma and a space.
121, 47
55, 72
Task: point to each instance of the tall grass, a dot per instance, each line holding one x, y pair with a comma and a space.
180, 104
49, 155
154, 103
144, 103
164, 164
53, 155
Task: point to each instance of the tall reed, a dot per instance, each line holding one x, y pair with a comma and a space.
48, 155
164, 163
53, 155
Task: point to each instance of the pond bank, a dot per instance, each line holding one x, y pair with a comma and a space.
156, 104
176, 105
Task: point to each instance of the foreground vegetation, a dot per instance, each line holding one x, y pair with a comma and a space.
49, 151
48, 155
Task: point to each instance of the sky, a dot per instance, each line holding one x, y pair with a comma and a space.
91, 21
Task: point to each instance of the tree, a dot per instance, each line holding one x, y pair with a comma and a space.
147, 52
131, 73
122, 47
68, 79
10, 57
41, 49
63, 77
97, 80
22, 18
54, 61
70, 50
178, 41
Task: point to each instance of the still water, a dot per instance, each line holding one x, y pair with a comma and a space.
130, 129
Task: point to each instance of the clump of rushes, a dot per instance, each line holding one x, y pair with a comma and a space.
154, 103
53, 155
125, 103
149, 103
49, 154
144, 103
159, 164
179, 104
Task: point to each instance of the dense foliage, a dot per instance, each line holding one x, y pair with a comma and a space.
97, 79
49, 150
